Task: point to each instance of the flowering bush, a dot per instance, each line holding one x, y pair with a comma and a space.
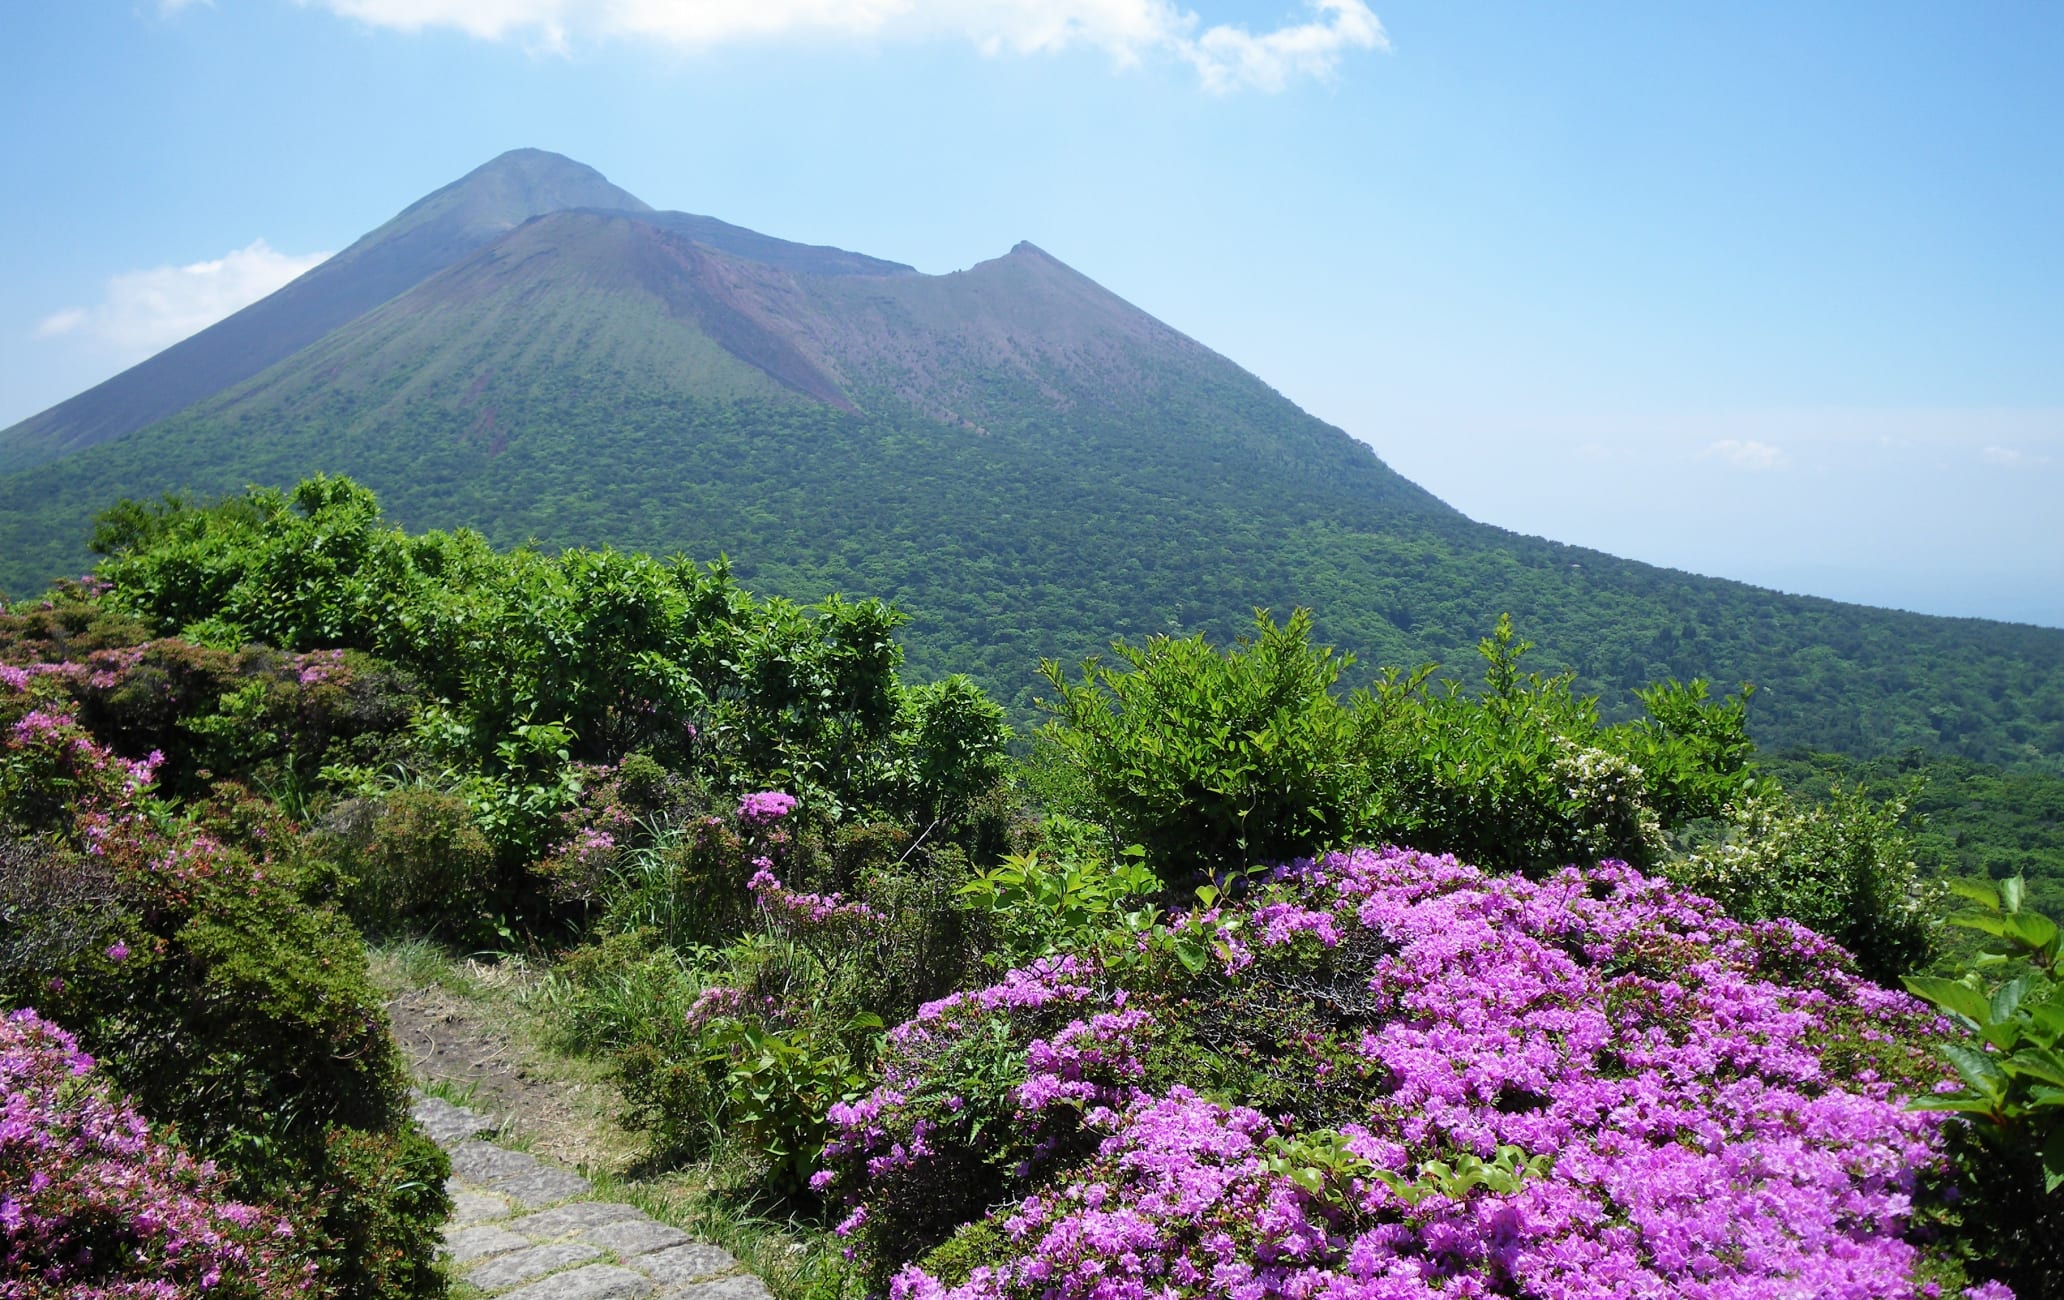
1213, 760
224, 998
765, 807
92, 1204
1586, 1086
1845, 867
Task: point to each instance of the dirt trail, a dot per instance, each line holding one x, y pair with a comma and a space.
538, 1098
527, 1224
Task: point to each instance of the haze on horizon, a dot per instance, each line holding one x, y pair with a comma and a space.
1770, 296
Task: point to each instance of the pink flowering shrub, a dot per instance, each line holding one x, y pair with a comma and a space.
217, 990
93, 1204
1399, 1076
765, 807
795, 911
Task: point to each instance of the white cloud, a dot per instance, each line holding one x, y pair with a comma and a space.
145, 311
1226, 58
2000, 456
1745, 454
63, 322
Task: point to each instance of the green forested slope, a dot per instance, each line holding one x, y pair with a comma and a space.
1974, 819
1052, 538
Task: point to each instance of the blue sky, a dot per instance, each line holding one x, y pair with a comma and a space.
1769, 291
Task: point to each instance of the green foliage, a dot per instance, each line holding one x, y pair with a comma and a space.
415, 859
2011, 1065
777, 1083
1972, 818
241, 1015
1845, 867
546, 660
1504, 1173
1321, 1162
1524, 775
1114, 518
1219, 760
1036, 908
1214, 760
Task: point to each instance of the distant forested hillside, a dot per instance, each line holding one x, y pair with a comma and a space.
1052, 539
1972, 818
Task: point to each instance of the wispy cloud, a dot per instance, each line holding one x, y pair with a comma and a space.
1745, 453
2001, 456
1226, 57
141, 312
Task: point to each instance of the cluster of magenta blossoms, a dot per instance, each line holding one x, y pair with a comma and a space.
93, 1207
765, 807
1700, 1109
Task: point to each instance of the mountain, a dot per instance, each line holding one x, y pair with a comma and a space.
1026, 462
423, 239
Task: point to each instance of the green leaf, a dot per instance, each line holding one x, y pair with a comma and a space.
2033, 929
2053, 1161
2037, 1063
1962, 1103
1957, 998
2011, 892
1978, 1070
1981, 892
2007, 998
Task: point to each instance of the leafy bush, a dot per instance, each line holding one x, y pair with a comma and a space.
415, 858
1215, 759
1587, 1085
227, 1000
1038, 908
598, 653
94, 1204
735, 1002
2011, 1102
1218, 760
1844, 867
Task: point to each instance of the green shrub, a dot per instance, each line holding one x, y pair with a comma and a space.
228, 1001
1523, 776
2011, 1105
414, 859
1037, 907
1844, 867
1214, 760
1217, 760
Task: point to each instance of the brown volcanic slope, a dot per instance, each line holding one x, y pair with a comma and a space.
421, 240
654, 303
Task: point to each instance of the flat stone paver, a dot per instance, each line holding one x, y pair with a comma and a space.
479, 1162
595, 1282
523, 1229
470, 1207
744, 1286
691, 1263
544, 1185
505, 1271
635, 1237
446, 1124
468, 1244
577, 1217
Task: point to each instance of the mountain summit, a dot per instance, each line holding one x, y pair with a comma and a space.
1028, 463
424, 238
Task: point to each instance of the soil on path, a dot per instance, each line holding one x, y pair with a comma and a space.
542, 1100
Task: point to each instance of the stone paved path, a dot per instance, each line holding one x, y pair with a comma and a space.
524, 1229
